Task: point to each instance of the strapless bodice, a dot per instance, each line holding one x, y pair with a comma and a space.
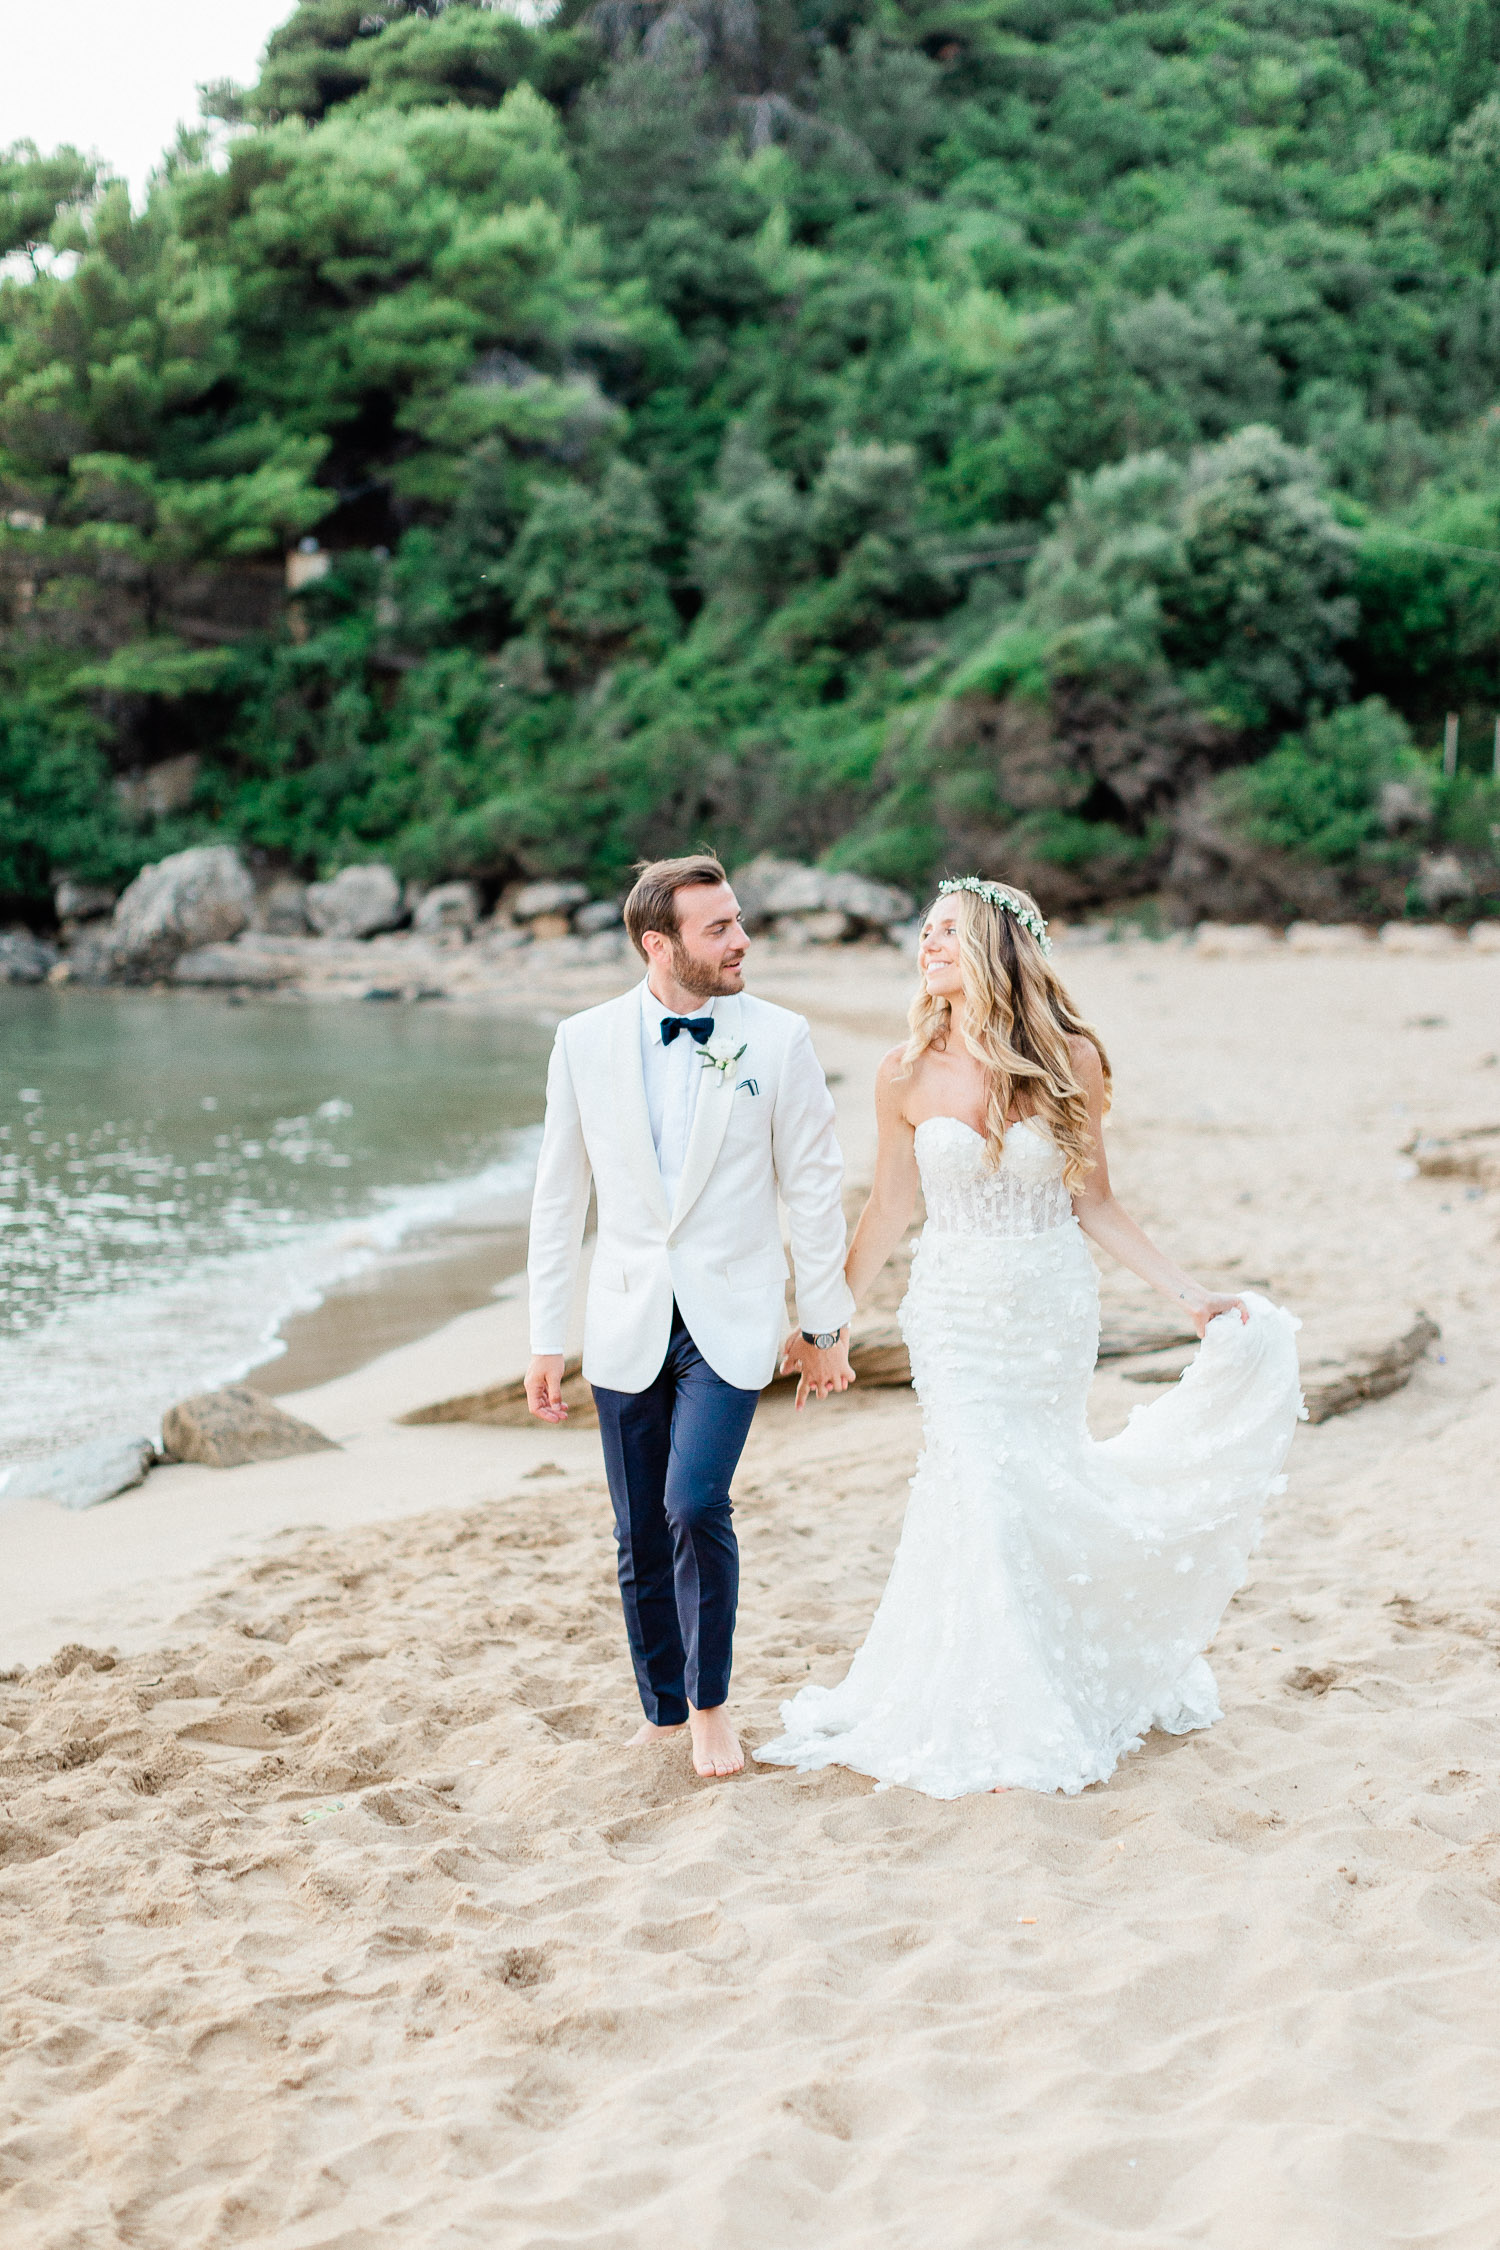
1024, 1195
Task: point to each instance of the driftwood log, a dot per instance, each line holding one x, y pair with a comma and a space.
1366, 1375
503, 1406
1472, 1155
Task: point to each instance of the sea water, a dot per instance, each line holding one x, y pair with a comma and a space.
179, 1173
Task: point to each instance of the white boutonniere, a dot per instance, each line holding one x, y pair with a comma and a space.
721, 1055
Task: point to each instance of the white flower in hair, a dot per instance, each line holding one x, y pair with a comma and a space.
998, 895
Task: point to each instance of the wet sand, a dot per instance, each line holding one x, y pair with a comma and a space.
336, 1913
405, 1297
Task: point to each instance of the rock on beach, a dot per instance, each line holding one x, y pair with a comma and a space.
449, 906
546, 901
24, 959
228, 1428
83, 1476
194, 898
814, 904
357, 902
74, 902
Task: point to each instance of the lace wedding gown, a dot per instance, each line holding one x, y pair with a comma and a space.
1050, 1596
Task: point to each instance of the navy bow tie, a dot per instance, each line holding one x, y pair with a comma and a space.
700, 1027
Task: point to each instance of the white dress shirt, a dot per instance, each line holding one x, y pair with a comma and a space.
672, 1079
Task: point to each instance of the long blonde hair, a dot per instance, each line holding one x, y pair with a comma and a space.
1019, 1020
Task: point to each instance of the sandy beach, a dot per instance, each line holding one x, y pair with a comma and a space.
336, 1913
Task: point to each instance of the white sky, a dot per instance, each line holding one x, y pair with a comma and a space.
119, 76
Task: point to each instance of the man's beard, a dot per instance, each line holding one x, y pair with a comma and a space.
710, 980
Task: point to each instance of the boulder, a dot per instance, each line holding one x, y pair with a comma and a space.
1404, 807
1443, 880
84, 1475
356, 903
755, 881
1485, 937
451, 906
228, 1428
282, 911
197, 897
90, 957
599, 914
25, 959
879, 906
797, 890
1418, 937
82, 902
771, 889
535, 901
827, 926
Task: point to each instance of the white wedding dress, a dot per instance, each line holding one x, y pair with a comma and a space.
1050, 1597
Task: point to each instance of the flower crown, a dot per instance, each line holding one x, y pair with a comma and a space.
998, 895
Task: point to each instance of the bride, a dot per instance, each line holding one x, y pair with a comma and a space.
1050, 1596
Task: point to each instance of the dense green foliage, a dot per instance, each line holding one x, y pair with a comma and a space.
961, 431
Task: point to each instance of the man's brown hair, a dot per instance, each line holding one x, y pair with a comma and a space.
652, 905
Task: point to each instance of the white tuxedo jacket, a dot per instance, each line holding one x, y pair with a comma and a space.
766, 1122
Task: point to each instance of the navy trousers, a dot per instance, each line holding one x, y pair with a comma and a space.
670, 1452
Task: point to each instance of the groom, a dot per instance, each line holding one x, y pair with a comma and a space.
687, 1104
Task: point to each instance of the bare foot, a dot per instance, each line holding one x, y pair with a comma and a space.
648, 1733
716, 1746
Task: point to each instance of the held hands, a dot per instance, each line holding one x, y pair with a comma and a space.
817, 1372
544, 1387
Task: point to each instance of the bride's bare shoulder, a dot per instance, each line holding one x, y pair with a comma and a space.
1084, 1056
893, 1085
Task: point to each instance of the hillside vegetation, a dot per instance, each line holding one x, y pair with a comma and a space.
1052, 438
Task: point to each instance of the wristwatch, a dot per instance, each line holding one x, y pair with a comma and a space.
823, 1341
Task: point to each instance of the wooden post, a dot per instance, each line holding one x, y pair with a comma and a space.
1450, 745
